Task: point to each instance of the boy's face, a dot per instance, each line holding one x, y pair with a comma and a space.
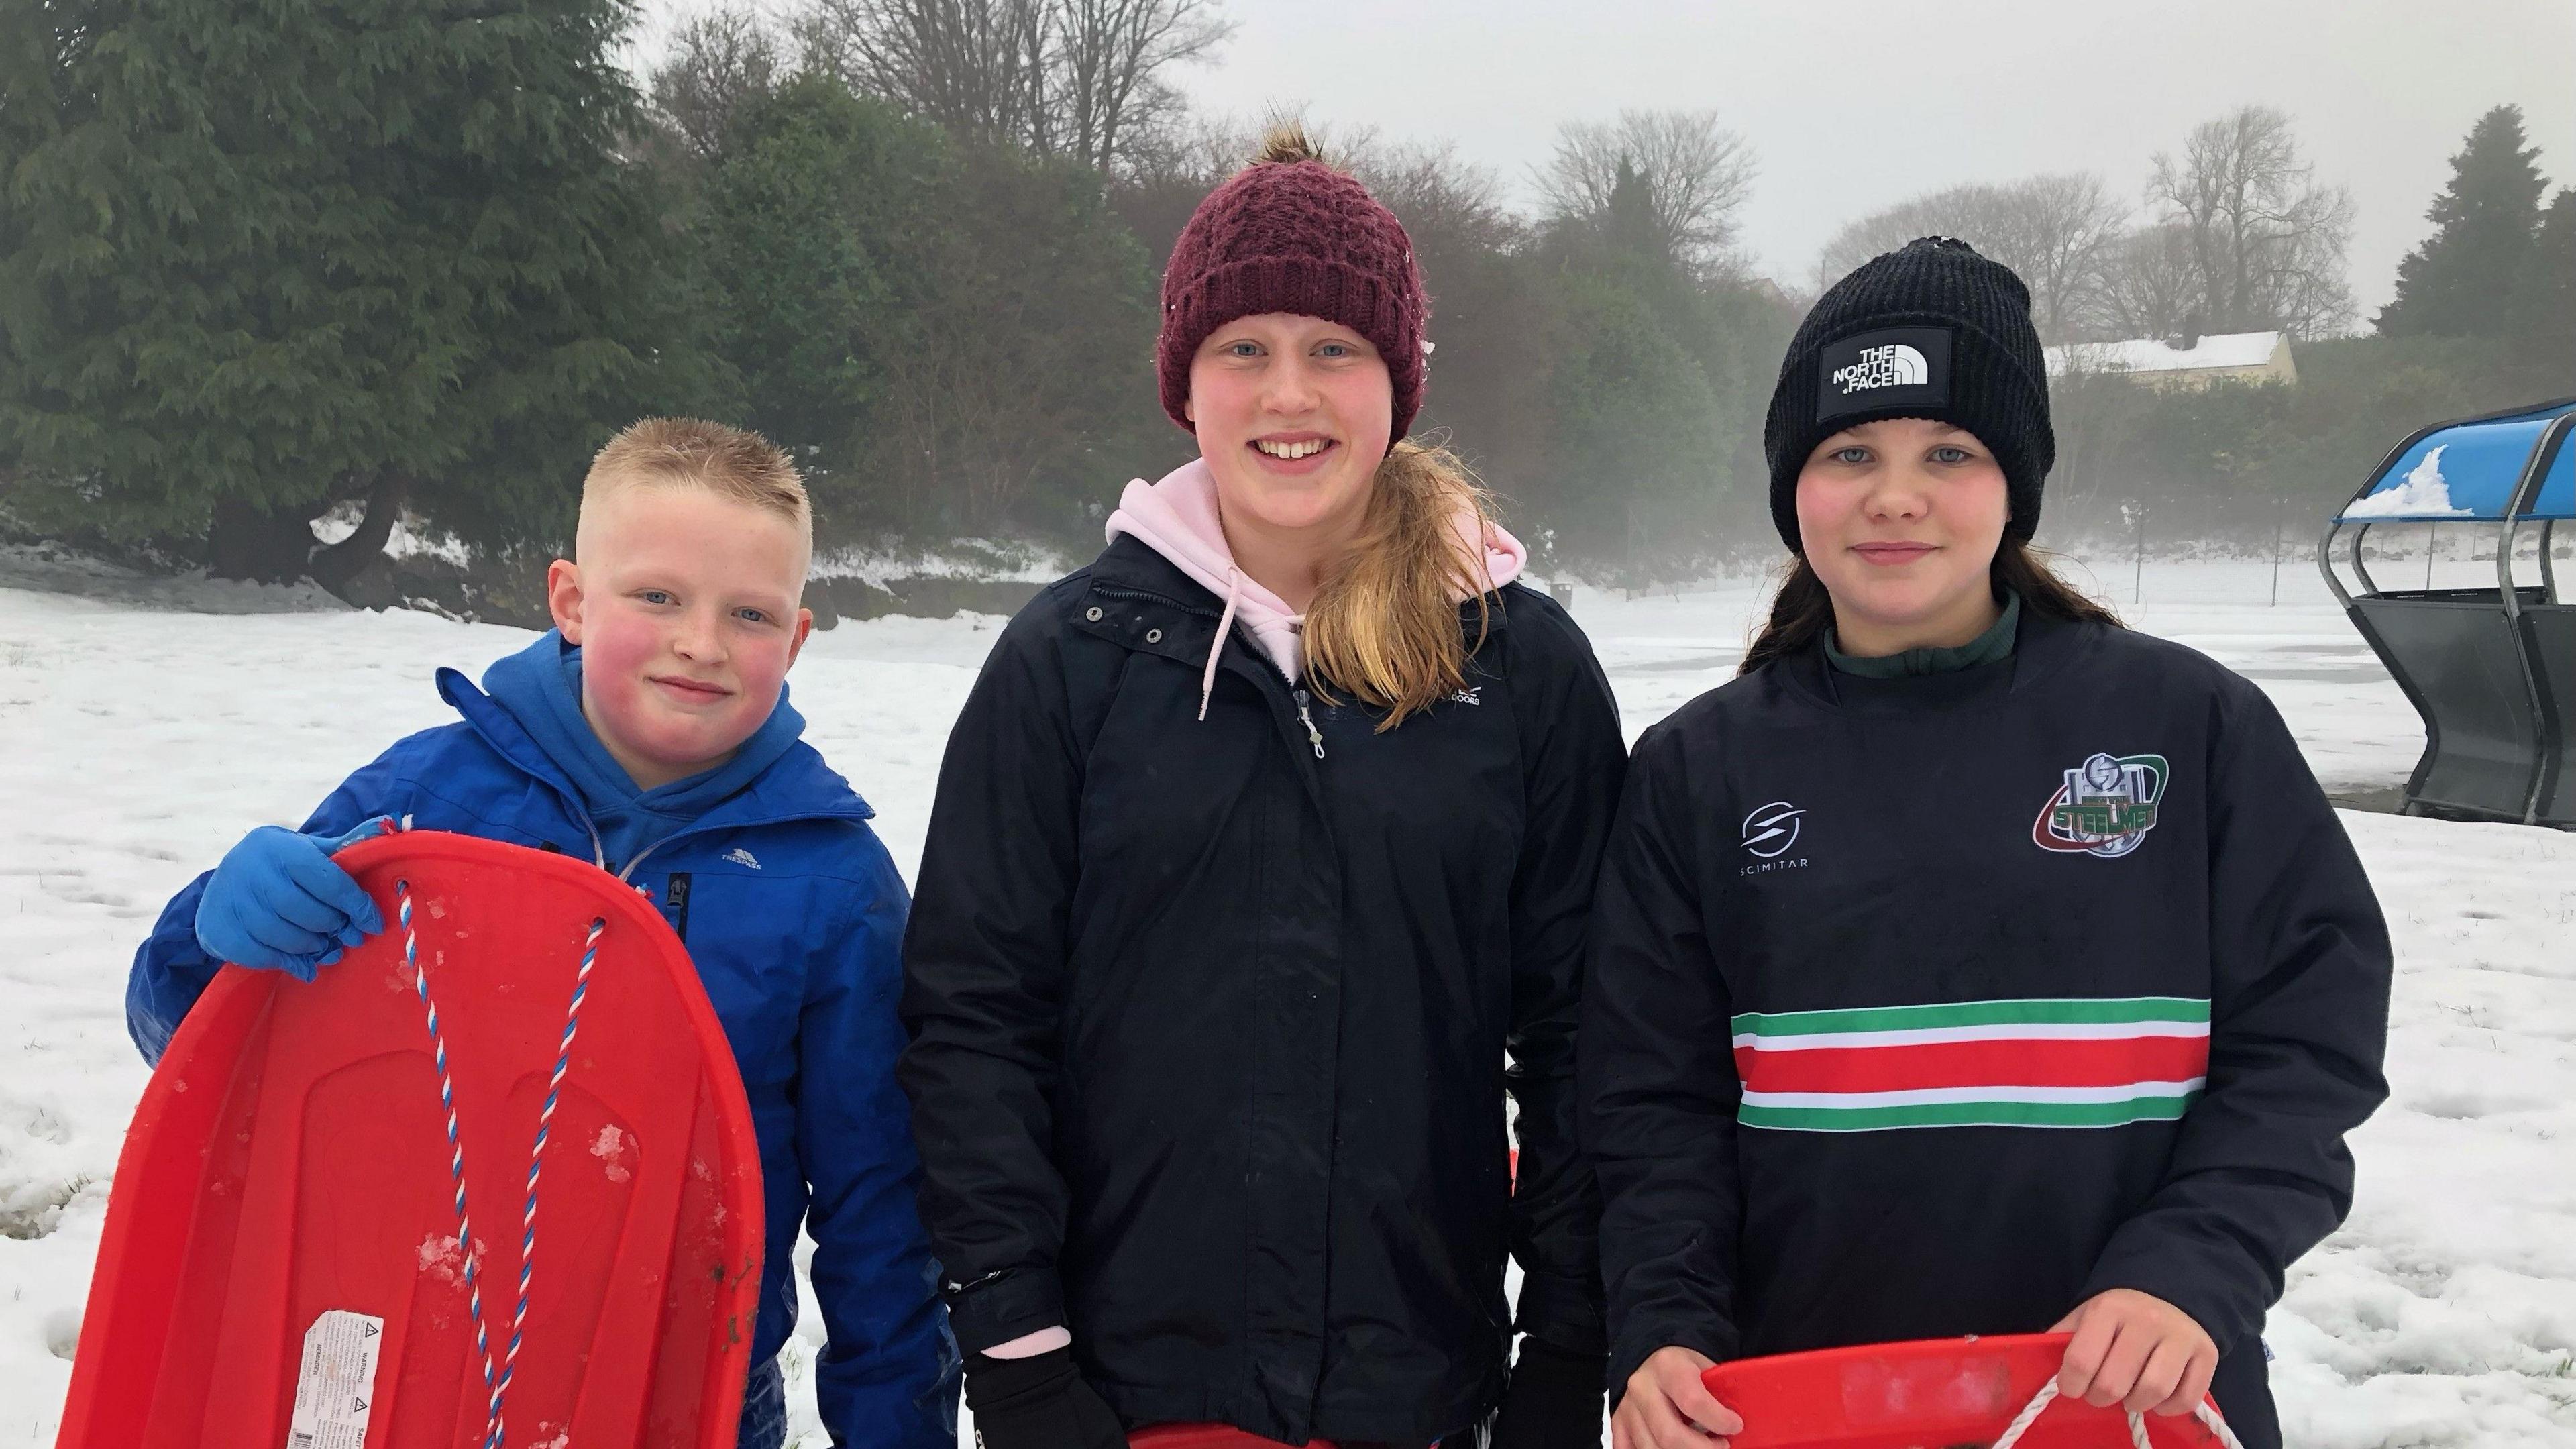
684, 604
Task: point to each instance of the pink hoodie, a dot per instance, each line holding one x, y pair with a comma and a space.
1177, 518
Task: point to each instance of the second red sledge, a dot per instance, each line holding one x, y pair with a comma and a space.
1928, 1394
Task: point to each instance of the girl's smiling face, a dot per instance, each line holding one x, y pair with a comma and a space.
1901, 518
1293, 415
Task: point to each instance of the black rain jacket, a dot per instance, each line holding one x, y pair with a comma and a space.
1209, 1017
1935, 1006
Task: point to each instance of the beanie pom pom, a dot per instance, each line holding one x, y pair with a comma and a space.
1286, 144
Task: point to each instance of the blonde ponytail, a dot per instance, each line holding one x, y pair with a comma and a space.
1384, 626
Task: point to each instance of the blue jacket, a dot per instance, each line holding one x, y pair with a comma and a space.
794, 916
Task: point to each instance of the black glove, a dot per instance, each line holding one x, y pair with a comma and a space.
1038, 1402
1553, 1400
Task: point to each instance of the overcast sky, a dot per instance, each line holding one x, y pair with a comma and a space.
1853, 105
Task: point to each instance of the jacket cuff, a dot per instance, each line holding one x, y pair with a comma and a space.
1563, 1311
2170, 1276
999, 1307
1640, 1341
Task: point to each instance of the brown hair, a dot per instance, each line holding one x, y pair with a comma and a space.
692, 452
1385, 625
1802, 610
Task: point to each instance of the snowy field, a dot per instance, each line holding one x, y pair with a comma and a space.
146, 726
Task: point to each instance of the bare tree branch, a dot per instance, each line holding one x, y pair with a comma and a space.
718, 61
2149, 286
977, 67
1107, 59
2268, 242
2056, 231
1698, 175
1079, 77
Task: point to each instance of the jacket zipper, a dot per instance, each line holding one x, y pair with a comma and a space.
1115, 592
677, 898
1314, 736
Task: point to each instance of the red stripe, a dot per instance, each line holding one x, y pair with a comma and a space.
2022, 1063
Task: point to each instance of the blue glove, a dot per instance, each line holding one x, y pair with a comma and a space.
279, 904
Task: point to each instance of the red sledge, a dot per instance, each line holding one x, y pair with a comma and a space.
1936, 1393
282, 1265
1206, 1436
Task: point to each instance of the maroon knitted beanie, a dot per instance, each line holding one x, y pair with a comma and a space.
1294, 236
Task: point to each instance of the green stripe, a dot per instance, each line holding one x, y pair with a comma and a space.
1966, 1114
2122, 1009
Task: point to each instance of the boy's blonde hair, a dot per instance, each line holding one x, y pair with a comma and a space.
694, 453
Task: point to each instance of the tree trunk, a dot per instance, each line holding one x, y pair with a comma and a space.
248, 541
333, 565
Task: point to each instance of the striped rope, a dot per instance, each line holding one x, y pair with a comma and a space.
496, 1382
536, 1158
455, 1161
2204, 1411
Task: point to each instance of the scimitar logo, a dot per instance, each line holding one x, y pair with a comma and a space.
1771, 830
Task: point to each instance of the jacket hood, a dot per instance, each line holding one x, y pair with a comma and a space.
533, 718
1177, 517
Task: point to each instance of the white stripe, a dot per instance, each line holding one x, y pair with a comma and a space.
1997, 1031
2134, 1091
2002, 1001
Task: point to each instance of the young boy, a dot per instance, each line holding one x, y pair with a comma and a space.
650, 732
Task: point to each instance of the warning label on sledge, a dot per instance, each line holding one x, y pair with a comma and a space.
335, 1386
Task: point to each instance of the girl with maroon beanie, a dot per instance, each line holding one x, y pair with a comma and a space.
1257, 881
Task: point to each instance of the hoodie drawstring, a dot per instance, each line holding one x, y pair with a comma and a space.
1216, 647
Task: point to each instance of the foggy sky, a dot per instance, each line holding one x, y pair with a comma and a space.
1851, 105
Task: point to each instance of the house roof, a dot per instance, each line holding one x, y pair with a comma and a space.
2154, 354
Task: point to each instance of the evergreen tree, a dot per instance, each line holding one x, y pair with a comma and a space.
1638, 453
2545, 312
810, 231
2462, 281
260, 257
952, 336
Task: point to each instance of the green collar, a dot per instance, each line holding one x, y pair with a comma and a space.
1996, 643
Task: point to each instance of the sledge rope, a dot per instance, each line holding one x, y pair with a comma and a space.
536, 1154
497, 1383
455, 1159
2204, 1411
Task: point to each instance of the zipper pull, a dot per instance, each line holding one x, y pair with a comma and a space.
1314, 736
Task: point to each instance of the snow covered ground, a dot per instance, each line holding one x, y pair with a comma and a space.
146, 726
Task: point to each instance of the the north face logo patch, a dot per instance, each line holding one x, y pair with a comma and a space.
1895, 365
1892, 367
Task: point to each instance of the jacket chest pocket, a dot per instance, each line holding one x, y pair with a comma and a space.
1167, 796
747, 938
1445, 786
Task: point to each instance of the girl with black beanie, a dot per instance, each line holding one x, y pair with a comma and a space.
1969, 964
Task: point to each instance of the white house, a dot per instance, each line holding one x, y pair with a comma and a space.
2183, 362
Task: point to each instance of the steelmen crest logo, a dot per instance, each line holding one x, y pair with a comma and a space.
2104, 807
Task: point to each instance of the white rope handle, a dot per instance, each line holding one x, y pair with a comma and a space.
2204, 1411
497, 1384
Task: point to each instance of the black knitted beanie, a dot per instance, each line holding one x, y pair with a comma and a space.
1931, 330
